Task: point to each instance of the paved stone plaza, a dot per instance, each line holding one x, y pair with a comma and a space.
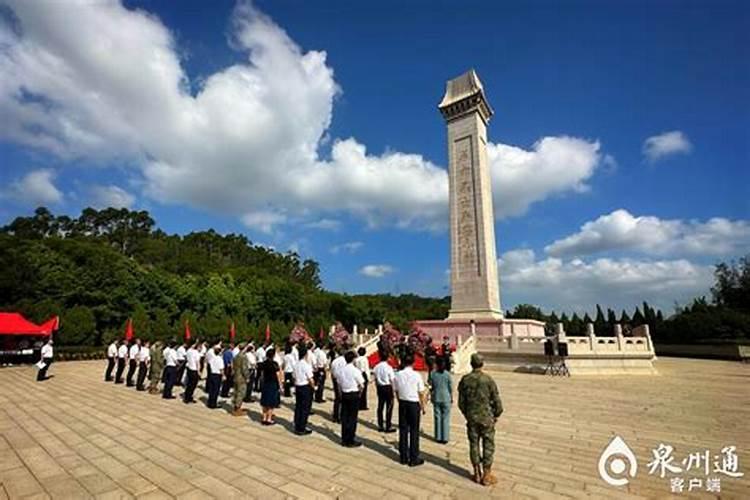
75, 436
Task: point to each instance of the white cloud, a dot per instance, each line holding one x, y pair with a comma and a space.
554, 165
263, 220
246, 139
348, 247
110, 196
576, 284
668, 143
324, 224
36, 188
621, 230
376, 270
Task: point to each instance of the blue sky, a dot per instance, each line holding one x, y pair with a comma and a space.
619, 148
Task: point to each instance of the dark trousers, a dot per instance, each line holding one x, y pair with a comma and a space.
349, 412
408, 430
288, 384
303, 396
385, 406
213, 386
228, 382
180, 372
110, 367
320, 381
192, 383
363, 395
170, 373
131, 371
250, 385
42, 374
120, 370
336, 401
257, 380
142, 370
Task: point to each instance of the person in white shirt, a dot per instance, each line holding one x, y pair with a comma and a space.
384, 376
144, 359
350, 382
252, 366
363, 364
410, 391
337, 363
320, 361
215, 369
122, 357
170, 370
202, 349
260, 357
192, 366
111, 357
181, 358
133, 361
47, 356
304, 386
288, 366
235, 351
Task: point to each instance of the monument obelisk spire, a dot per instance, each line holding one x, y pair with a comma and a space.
475, 289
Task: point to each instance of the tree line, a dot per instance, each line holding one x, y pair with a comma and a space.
105, 266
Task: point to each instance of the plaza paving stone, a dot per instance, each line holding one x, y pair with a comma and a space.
75, 436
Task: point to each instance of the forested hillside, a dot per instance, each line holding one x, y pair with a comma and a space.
106, 266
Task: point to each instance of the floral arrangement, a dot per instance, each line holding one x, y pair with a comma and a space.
299, 334
418, 340
341, 337
390, 338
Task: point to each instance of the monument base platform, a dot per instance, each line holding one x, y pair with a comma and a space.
518, 345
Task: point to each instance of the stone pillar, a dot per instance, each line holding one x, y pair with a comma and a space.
513, 340
380, 329
475, 290
592, 336
560, 332
618, 329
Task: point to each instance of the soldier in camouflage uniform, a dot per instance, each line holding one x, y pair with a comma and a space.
479, 401
240, 372
157, 367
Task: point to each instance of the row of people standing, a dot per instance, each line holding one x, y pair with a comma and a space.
303, 367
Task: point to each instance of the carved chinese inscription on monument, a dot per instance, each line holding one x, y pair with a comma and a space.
466, 223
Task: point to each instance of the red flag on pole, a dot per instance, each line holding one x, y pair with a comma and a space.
268, 332
232, 332
129, 330
321, 336
187, 330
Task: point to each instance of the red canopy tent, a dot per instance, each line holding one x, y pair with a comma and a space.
20, 339
15, 324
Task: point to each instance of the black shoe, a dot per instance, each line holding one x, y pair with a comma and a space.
416, 463
403, 462
390, 431
355, 444
303, 433
168, 397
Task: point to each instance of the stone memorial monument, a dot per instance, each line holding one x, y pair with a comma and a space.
475, 287
476, 315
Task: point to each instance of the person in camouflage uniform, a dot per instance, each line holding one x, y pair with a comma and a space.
157, 366
479, 401
240, 372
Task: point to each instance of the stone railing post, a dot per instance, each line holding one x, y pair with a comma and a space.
560, 332
620, 338
380, 329
592, 336
513, 340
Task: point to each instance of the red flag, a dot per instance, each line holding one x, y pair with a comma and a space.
187, 330
321, 336
231, 332
129, 330
268, 332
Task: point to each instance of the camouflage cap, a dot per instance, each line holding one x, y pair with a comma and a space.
476, 360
